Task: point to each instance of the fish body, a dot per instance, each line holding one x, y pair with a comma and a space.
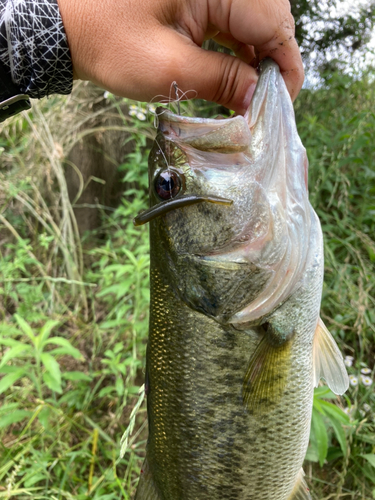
235, 344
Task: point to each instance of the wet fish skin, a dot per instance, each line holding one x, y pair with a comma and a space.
230, 388
204, 443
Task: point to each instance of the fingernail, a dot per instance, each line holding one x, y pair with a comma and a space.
248, 96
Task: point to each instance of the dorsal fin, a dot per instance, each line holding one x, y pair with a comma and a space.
328, 361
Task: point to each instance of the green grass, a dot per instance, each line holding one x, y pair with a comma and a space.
336, 126
74, 317
64, 408
73, 327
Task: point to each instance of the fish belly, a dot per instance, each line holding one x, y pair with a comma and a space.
204, 443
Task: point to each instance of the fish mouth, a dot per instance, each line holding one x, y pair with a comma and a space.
182, 201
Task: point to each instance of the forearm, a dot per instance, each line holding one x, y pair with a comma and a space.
34, 48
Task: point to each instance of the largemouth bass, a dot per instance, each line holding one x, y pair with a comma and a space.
235, 344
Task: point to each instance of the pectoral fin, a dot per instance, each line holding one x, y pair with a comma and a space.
147, 490
301, 490
266, 377
328, 361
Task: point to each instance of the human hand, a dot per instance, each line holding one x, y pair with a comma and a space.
137, 48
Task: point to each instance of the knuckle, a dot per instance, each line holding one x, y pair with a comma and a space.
229, 83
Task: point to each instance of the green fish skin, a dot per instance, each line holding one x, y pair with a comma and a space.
235, 343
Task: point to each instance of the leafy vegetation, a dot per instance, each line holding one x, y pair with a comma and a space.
330, 34
74, 312
73, 325
335, 124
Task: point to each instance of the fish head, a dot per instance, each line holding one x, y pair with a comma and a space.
210, 201
229, 206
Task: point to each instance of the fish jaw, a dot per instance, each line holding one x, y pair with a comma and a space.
259, 163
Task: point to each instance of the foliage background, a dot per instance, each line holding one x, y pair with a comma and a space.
74, 308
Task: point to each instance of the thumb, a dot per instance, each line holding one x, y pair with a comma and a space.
214, 76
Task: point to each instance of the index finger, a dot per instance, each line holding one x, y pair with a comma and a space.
284, 50
268, 26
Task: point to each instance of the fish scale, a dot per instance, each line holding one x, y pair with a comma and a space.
203, 442
235, 345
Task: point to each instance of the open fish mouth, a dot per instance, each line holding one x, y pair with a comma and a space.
182, 201
259, 162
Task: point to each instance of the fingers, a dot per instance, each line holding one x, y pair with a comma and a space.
268, 26
280, 43
171, 56
286, 53
244, 52
214, 76
138, 51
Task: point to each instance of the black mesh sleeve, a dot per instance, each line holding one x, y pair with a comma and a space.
34, 48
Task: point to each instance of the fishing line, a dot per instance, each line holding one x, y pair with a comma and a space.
175, 86
162, 152
184, 95
179, 96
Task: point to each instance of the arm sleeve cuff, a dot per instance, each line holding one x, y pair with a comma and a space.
34, 47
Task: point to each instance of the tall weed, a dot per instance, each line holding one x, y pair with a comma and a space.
336, 126
73, 321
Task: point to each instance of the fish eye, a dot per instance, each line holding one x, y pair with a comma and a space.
168, 184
